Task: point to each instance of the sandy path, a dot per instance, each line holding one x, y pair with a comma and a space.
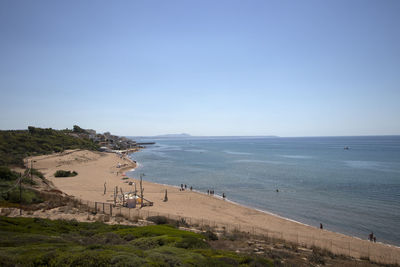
96, 168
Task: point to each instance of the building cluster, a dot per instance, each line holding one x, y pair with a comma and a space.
108, 141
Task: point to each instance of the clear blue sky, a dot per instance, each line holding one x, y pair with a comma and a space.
287, 68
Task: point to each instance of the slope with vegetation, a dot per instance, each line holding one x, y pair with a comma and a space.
42, 242
15, 145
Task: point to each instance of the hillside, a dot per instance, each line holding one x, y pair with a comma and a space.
15, 145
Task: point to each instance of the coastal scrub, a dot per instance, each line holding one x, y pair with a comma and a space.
33, 241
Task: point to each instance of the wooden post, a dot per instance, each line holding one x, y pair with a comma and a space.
103, 207
166, 196
123, 197
110, 210
141, 191
95, 206
20, 195
135, 191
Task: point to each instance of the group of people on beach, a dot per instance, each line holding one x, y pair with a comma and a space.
211, 193
184, 187
372, 237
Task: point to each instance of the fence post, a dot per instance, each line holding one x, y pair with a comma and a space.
103, 207
110, 210
95, 206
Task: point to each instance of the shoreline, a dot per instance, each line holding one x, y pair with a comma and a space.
218, 197
264, 211
96, 170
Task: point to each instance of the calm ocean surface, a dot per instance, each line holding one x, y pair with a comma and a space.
353, 191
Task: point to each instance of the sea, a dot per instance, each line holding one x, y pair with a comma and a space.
349, 184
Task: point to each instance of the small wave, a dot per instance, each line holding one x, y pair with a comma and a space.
236, 152
258, 161
370, 165
296, 156
361, 164
196, 150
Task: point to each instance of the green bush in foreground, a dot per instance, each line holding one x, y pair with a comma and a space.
62, 173
7, 174
42, 242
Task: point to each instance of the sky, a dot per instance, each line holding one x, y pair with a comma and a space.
285, 68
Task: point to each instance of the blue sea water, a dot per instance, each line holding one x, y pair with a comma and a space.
353, 191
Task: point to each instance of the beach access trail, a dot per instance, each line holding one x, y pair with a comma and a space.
96, 168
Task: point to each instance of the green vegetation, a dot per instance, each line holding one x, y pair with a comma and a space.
15, 145
7, 175
34, 242
9, 188
62, 173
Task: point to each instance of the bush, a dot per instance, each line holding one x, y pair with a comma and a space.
7, 174
62, 173
210, 235
158, 219
191, 242
28, 197
127, 260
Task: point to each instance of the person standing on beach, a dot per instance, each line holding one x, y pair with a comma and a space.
321, 226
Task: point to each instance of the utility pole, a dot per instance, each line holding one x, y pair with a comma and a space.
20, 195
123, 197
141, 190
31, 171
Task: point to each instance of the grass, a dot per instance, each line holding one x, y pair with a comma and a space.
34, 242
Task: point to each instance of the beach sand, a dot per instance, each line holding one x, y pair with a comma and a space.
96, 168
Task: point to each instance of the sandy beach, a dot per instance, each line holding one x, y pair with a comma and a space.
98, 168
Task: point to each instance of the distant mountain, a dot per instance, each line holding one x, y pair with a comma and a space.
188, 136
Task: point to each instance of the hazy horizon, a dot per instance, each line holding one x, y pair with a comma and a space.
253, 68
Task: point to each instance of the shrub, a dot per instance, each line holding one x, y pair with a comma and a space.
191, 242
28, 196
62, 173
127, 260
7, 174
158, 219
210, 235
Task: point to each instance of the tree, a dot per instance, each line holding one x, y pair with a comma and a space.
78, 129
